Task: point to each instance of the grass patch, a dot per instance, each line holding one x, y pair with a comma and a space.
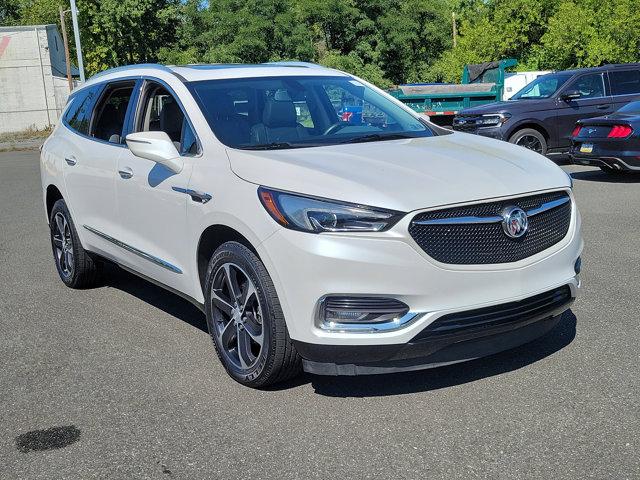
28, 134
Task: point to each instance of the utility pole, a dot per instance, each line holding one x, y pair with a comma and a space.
76, 35
455, 29
66, 47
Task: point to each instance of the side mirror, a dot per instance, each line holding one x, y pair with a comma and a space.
155, 146
571, 95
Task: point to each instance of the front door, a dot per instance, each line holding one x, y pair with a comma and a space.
593, 102
152, 203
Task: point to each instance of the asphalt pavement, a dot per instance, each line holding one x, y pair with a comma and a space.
122, 382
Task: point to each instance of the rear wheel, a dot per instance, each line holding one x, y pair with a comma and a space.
245, 319
76, 267
531, 139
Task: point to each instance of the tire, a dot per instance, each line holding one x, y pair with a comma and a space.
531, 139
76, 267
249, 331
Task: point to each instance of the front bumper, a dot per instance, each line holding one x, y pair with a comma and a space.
480, 333
496, 132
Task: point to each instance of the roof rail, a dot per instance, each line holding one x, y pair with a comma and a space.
124, 68
294, 64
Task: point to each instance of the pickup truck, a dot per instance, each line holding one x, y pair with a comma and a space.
481, 83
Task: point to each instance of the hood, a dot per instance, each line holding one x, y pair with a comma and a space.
403, 175
494, 107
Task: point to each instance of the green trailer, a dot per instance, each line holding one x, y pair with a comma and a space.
481, 83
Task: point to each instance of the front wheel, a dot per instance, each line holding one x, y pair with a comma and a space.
245, 319
531, 139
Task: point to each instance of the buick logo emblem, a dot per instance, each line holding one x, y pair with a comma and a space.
514, 222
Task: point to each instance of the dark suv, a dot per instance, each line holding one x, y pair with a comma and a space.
543, 114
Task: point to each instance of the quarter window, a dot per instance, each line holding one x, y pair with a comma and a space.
589, 86
625, 82
111, 111
78, 116
161, 112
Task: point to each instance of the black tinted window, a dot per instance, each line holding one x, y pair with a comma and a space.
111, 111
589, 86
625, 82
79, 114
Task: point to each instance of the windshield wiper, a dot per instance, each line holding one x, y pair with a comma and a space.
375, 137
268, 146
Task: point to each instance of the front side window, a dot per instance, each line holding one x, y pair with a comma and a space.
161, 112
111, 111
301, 111
589, 86
624, 82
542, 87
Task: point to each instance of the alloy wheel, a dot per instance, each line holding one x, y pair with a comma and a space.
238, 316
531, 142
63, 244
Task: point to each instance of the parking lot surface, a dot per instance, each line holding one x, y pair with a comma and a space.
122, 381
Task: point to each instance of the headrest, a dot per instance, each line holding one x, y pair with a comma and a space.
279, 114
171, 118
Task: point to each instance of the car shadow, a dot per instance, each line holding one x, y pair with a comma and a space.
365, 385
600, 176
116, 277
444, 377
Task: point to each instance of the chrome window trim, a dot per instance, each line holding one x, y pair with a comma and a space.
494, 218
129, 248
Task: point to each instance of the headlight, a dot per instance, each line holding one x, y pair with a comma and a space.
493, 119
316, 215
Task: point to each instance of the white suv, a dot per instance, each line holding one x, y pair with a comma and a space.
318, 222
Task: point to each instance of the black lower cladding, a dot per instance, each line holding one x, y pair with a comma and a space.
486, 243
454, 337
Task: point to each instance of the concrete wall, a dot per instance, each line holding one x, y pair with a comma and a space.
33, 86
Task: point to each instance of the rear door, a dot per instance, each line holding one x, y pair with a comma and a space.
594, 101
152, 200
625, 86
91, 159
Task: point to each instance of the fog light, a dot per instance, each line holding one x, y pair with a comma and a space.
362, 309
578, 265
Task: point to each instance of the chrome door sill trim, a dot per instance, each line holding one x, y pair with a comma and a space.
140, 253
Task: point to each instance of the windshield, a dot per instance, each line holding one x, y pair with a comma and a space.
632, 107
542, 87
291, 112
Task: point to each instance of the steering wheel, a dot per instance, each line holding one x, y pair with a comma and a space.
331, 129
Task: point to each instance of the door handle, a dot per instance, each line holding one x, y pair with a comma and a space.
603, 107
71, 161
200, 197
126, 173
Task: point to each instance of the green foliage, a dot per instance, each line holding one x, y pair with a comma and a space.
384, 41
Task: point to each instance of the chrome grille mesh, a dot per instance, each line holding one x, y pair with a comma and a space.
486, 243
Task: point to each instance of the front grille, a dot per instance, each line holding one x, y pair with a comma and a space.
488, 320
486, 243
463, 123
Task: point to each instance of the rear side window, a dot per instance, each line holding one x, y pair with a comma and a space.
111, 111
624, 82
78, 116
